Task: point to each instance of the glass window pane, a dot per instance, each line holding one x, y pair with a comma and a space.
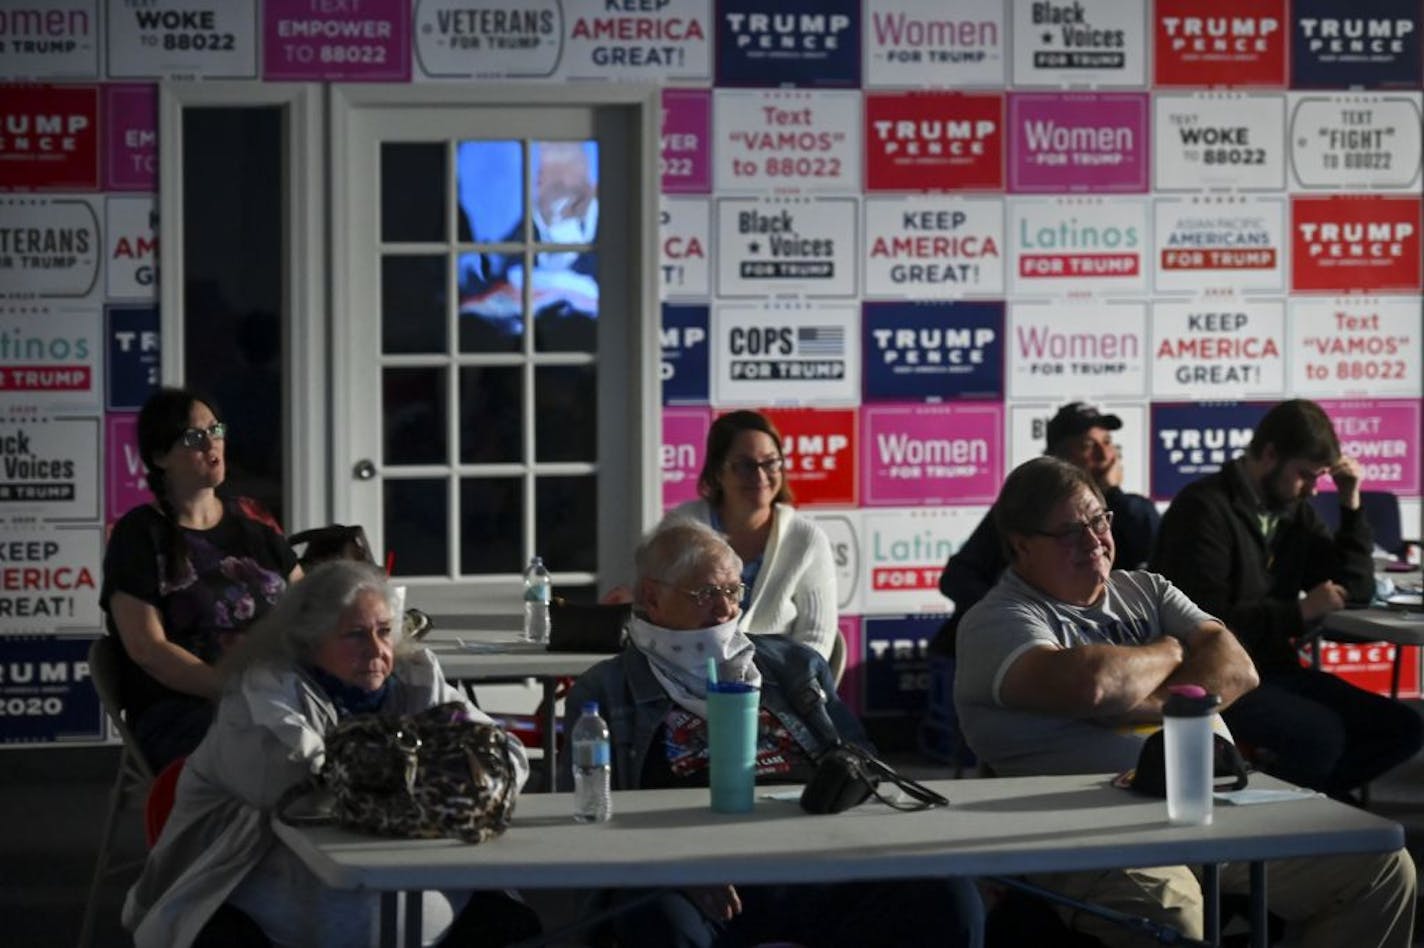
565, 192
566, 304
412, 304
491, 525
412, 191
491, 310
413, 405
491, 415
566, 522
566, 413
489, 191
415, 519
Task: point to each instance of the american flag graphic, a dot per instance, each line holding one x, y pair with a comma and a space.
820, 340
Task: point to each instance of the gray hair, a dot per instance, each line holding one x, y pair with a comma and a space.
675, 549
306, 616
1030, 493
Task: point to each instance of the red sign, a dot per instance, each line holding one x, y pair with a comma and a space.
49, 138
934, 141
819, 445
1210, 43
1352, 243
1369, 665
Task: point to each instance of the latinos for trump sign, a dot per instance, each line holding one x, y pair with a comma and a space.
1218, 347
803, 140
1206, 42
1076, 245
931, 455
819, 447
934, 141
1190, 441
49, 354
1231, 141
785, 353
933, 351
905, 552
1355, 243
1225, 242
1082, 350
1077, 142
933, 247
912, 43
1356, 346
1355, 142
1369, 44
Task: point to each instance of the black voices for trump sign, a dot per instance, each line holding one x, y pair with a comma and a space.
774, 246
49, 468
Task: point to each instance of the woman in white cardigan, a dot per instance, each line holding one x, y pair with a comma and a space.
789, 572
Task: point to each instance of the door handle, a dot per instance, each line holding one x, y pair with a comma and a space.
363, 470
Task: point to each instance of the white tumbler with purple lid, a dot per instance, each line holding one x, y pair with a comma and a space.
1187, 720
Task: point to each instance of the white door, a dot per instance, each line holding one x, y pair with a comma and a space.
494, 334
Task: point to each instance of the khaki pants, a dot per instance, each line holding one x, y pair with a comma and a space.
1327, 902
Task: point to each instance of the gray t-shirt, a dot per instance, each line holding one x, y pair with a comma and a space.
1138, 607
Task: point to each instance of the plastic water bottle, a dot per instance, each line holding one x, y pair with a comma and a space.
1186, 721
593, 801
537, 590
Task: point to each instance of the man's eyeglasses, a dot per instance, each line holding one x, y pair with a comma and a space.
198, 439
746, 468
1098, 526
702, 595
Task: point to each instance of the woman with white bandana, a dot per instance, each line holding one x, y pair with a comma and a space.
654, 696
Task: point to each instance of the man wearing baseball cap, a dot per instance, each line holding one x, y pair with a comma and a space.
1080, 435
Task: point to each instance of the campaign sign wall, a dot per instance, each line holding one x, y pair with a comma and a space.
207, 39
1355, 142
788, 43
1077, 245
787, 139
657, 41
785, 353
49, 579
934, 247
365, 40
934, 141
1222, 140
682, 452
516, 39
49, 247
931, 455
684, 235
125, 479
1190, 441
1210, 43
49, 468
46, 695
1080, 43
1218, 347
819, 447
1370, 44
923, 43
1081, 141
1370, 665
51, 39
905, 552
1356, 346
1224, 242
131, 239
1083, 350
897, 675
684, 337
132, 368
685, 158
1384, 437
131, 137
842, 528
49, 354
1028, 436
1355, 243
772, 246
933, 351
50, 139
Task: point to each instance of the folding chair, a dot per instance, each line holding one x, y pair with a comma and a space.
131, 783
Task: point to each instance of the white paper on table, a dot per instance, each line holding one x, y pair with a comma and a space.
1251, 796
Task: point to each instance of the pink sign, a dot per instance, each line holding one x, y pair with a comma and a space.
369, 41
683, 448
125, 484
686, 160
1078, 142
1384, 437
131, 137
923, 455
852, 681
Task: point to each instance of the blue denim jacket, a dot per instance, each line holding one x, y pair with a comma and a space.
634, 704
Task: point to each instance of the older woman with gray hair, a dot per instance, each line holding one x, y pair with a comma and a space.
218, 875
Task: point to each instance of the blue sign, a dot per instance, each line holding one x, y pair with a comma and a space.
684, 367
896, 666
1190, 441
1365, 44
933, 351
45, 692
806, 43
131, 365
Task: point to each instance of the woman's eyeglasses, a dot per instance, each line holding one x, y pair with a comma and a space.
1098, 526
747, 469
199, 439
702, 595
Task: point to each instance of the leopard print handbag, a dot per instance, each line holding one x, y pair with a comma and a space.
428, 775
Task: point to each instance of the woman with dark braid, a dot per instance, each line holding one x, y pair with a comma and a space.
184, 576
